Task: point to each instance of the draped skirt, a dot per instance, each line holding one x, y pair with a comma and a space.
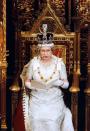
46, 115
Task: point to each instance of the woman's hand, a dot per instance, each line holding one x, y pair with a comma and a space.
28, 84
58, 83
62, 83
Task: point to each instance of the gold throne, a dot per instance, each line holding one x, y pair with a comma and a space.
65, 47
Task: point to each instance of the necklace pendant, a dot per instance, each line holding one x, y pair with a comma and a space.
42, 77
46, 80
50, 77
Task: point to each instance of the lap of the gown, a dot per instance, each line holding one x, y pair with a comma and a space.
67, 124
45, 125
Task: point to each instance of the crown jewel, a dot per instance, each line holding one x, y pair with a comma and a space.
45, 38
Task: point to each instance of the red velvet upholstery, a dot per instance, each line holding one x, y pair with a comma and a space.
18, 118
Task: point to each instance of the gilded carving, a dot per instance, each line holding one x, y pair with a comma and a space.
59, 7
27, 12
1, 42
4, 73
3, 65
84, 10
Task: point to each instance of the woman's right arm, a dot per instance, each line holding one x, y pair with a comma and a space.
29, 75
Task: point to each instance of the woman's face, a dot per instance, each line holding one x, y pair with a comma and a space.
45, 53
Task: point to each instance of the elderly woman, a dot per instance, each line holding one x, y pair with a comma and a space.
46, 110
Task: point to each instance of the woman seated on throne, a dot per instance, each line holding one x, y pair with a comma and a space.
44, 108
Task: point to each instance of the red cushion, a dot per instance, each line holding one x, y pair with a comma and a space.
19, 118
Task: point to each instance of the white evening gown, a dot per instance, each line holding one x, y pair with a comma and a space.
45, 109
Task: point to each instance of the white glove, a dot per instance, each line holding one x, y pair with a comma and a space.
28, 85
58, 83
62, 83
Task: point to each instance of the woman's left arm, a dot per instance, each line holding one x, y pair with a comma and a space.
62, 80
63, 76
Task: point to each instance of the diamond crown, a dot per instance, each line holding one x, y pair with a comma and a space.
45, 37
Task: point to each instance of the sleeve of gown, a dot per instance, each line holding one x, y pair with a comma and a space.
63, 76
63, 73
29, 73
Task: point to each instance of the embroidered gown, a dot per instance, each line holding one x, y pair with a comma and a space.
45, 109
